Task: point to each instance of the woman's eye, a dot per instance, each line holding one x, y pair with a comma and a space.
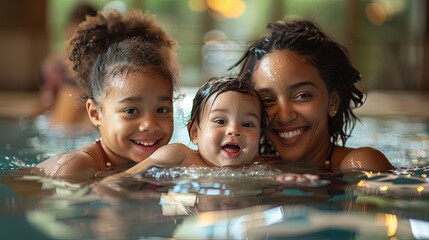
268, 101
162, 110
303, 96
131, 111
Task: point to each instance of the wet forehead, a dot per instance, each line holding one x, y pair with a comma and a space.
285, 67
233, 102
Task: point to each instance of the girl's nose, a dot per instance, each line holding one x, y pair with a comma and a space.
148, 123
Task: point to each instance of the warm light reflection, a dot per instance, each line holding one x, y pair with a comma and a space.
376, 13
209, 218
383, 188
228, 8
236, 11
368, 174
174, 203
361, 183
197, 5
392, 224
388, 220
420, 189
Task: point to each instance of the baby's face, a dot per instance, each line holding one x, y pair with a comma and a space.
229, 131
137, 115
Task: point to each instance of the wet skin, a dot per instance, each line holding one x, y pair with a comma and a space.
136, 116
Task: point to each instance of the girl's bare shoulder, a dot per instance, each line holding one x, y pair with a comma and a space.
69, 163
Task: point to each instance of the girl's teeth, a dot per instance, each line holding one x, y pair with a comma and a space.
146, 143
291, 134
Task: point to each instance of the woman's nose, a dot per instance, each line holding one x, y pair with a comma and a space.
285, 112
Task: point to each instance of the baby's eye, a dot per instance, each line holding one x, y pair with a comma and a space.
162, 110
131, 111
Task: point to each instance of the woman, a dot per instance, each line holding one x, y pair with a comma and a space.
306, 81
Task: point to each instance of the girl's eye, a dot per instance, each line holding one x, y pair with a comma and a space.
131, 111
219, 121
162, 110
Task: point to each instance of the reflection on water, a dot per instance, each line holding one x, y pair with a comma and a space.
208, 203
350, 205
404, 140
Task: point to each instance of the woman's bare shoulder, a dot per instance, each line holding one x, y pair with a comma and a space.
365, 158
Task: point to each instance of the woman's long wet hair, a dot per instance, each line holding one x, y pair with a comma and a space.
331, 59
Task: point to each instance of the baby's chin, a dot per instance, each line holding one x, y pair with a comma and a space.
234, 164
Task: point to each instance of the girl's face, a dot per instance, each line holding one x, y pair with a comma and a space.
136, 116
229, 131
298, 105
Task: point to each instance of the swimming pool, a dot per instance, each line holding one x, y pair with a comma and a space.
183, 204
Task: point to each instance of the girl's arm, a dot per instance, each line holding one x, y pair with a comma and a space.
170, 155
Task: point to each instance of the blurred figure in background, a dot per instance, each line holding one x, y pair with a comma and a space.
59, 93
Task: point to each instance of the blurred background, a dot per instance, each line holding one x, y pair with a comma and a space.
388, 40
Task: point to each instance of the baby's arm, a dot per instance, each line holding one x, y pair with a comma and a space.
170, 155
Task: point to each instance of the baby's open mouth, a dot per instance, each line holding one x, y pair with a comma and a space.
231, 148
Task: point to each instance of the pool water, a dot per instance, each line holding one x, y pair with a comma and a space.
202, 203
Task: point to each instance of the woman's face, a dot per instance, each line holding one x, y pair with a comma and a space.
298, 104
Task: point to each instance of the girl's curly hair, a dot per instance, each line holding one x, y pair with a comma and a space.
109, 44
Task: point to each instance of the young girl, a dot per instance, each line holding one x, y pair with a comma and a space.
127, 67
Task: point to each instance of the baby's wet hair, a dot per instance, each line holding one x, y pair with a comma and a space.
218, 85
112, 43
